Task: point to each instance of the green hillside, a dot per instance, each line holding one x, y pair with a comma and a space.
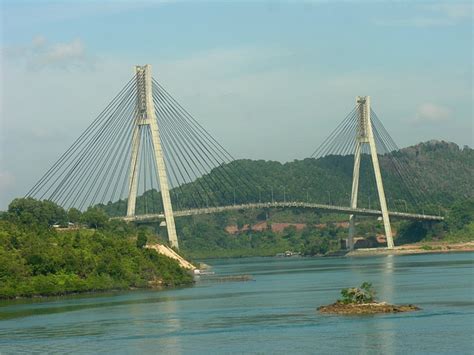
39, 260
441, 174
436, 174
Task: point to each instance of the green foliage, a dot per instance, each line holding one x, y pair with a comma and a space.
141, 238
205, 236
95, 217
43, 214
363, 294
74, 215
460, 214
429, 247
443, 170
37, 260
457, 227
466, 234
411, 232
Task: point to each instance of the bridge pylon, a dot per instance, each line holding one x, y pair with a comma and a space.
365, 135
145, 119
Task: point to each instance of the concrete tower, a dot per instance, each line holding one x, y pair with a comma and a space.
145, 118
365, 135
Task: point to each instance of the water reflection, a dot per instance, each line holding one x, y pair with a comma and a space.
386, 284
170, 344
386, 332
377, 335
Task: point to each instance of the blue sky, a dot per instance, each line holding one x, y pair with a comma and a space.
269, 79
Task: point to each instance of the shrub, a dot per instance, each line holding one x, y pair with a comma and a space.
142, 239
363, 294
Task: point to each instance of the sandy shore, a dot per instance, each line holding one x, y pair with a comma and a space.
417, 248
167, 251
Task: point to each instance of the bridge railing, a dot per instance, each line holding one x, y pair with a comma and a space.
322, 207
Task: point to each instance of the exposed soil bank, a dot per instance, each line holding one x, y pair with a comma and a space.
365, 308
418, 248
167, 251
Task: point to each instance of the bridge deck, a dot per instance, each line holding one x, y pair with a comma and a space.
315, 206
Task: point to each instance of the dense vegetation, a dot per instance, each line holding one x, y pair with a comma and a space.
205, 236
36, 259
439, 174
457, 227
444, 172
440, 183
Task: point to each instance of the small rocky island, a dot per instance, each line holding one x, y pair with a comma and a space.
361, 300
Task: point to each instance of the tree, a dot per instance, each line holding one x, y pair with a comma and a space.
95, 217
49, 262
74, 215
34, 212
460, 214
411, 232
142, 239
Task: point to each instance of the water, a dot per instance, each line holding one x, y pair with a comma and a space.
276, 313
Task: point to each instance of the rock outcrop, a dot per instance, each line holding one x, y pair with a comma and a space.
366, 308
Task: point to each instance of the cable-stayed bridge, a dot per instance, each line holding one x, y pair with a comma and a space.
143, 218
146, 158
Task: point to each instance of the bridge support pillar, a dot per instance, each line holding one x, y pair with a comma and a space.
146, 119
365, 135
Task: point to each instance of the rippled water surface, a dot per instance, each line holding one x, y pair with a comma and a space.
275, 313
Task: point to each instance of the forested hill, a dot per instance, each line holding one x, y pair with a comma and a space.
426, 176
447, 169
432, 172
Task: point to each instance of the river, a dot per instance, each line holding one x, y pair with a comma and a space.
275, 313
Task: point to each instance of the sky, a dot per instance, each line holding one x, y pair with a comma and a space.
268, 79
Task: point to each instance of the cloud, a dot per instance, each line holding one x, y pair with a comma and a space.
63, 54
442, 14
39, 41
453, 11
41, 54
432, 113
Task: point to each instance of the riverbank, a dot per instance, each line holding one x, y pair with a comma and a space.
416, 248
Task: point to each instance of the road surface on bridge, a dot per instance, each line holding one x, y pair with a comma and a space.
320, 207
